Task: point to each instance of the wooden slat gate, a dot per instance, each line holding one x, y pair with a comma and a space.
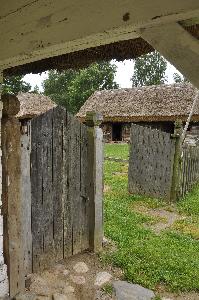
59, 185
52, 189
151, 162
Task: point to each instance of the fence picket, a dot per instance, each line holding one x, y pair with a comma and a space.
190, 165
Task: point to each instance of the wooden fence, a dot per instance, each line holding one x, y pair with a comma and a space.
151, 162
158, 167
189, 169
53, 198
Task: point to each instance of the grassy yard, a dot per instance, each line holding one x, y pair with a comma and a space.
117, 150
164, 260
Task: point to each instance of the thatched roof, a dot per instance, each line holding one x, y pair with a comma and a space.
129, 49
32, 105
149, 103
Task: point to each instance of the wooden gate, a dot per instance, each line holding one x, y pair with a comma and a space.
60, 187
52, 190
151, 162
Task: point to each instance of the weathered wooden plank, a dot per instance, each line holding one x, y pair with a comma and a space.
26, 196
74, 183
47, 193
67, 200
36, 192
84, 208
58, 170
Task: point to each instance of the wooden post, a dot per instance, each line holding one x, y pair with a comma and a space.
175, 185
11, 195
95, 177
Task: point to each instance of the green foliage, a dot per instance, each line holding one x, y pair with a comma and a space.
190, 203
36, 90
108, 289
149, 69
179, 78
72, 88
15, 84
169, 259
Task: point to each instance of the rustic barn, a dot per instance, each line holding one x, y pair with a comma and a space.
154, 106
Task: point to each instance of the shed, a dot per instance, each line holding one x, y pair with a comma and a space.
157, 106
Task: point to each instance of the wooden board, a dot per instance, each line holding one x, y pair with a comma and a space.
26, 196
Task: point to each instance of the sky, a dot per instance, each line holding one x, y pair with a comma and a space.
123, 75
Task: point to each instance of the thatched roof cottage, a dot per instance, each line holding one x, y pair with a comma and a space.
32, 105
155, 106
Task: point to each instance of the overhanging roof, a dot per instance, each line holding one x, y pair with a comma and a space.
44, 34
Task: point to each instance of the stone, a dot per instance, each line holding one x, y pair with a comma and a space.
105, 242
40, 297
26, 296
80, 267
126, 291
78, 279
28, 281
69, 290
66, 272
63, 297
59, 268
102, 278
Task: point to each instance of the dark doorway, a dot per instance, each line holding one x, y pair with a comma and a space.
117, 132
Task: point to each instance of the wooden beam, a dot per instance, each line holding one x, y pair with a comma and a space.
95, 180
11, 195
32, 30
177, 46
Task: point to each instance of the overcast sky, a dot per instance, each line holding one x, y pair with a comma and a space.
123, 75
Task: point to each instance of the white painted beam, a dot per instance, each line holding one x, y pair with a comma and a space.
178, 46
35, 29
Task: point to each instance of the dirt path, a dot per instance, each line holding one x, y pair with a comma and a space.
166, 218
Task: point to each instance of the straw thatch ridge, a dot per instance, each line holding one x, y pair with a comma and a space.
148, 103
32, 105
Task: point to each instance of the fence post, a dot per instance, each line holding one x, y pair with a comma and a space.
176, 162
11, 194
95, 178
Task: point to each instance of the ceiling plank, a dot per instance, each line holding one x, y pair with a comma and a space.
35, 29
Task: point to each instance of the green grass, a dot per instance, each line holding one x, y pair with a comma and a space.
117, 150
169, 260
190, 204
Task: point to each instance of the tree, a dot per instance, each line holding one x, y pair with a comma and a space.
149, 69
179, 78
36, 90
15, 84
72, 88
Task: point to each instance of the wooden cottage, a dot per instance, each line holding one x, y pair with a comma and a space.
155, 106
